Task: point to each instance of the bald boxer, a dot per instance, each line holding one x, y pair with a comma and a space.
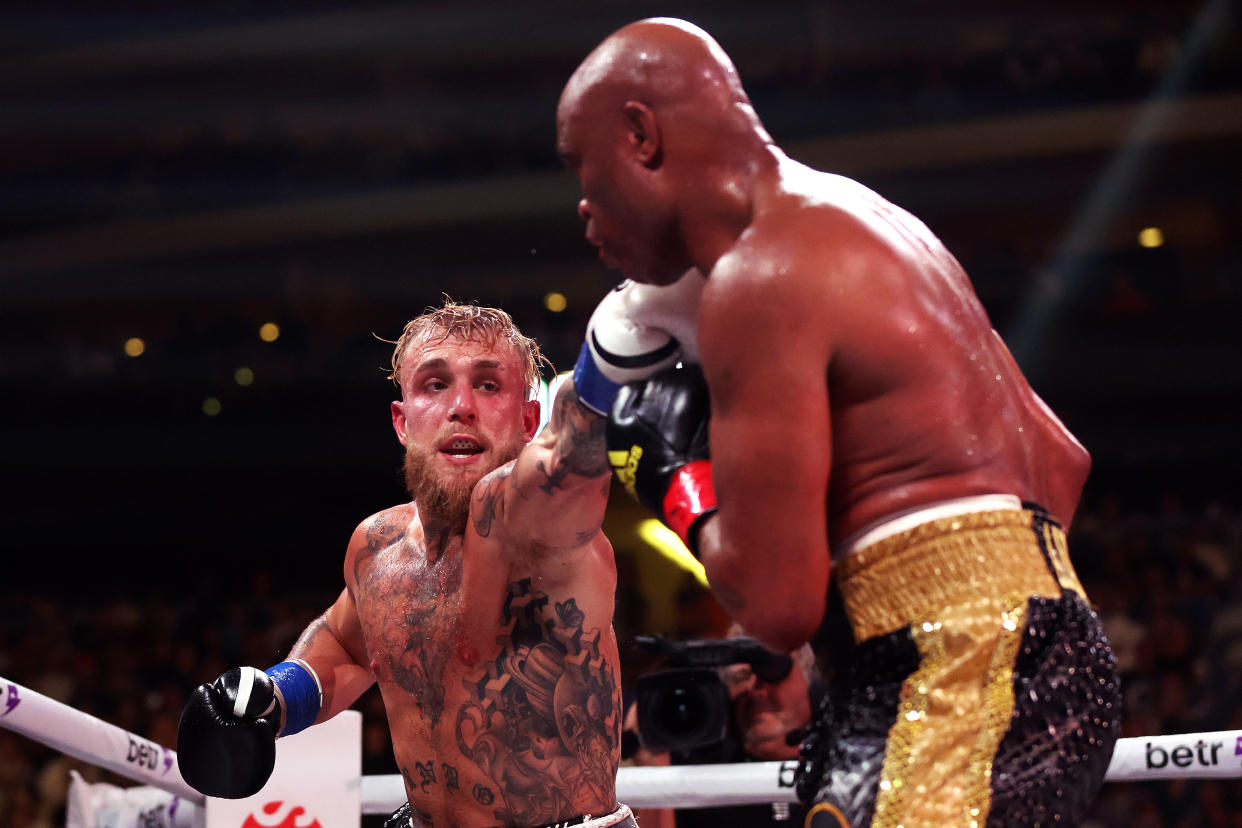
865, 421
482, 608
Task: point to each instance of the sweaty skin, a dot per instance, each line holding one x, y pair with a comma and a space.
869, 379
492, 644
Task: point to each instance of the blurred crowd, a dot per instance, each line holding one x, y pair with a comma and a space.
1164, 576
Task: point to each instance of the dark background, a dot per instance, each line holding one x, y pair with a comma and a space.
186, 172
185, 175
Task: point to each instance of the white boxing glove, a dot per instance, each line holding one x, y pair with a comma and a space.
635, 331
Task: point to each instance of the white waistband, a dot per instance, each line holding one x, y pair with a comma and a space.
910, 518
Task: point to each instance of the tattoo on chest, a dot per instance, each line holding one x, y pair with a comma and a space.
408, 600
543, 720
427, 775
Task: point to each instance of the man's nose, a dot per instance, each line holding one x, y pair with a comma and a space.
584, 212
462, 409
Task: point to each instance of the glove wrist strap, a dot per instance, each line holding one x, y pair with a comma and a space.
690, 497
595, 390
300, 688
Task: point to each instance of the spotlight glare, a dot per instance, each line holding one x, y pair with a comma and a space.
243, 376
269, 332
1151, 237
134, 346
211, 406
555, 302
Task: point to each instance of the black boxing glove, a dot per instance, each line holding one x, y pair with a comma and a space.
226, 739
657, 437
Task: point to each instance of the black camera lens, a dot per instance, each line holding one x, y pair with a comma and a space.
680, 709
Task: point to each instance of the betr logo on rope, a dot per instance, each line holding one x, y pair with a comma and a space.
147, 754
1183, 756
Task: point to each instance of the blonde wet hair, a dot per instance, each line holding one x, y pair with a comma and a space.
469, 322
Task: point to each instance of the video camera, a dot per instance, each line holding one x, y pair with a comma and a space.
685, 709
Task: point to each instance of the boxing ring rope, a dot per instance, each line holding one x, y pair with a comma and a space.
1210, 755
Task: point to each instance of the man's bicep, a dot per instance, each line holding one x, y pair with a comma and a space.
771, 445
771, 442
771, 452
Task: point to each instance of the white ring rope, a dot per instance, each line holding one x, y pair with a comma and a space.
1214, 755
82, 736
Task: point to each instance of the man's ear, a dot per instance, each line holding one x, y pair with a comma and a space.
398, 420
643, 133
530, 418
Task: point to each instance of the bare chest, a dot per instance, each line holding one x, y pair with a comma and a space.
410, 609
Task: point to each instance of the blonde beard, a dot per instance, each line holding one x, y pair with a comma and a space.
446, 500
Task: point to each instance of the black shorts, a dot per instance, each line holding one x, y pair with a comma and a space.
983, 690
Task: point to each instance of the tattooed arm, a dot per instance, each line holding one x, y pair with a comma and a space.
555, 492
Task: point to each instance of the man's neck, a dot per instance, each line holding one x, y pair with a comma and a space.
438, 532
722, 210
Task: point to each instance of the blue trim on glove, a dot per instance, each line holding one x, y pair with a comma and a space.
301, 692
595, 390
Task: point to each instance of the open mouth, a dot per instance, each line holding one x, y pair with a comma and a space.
462, 447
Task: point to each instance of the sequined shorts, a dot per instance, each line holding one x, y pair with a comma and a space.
983, 690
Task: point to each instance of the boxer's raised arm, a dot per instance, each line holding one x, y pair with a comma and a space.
554, 494
557, 490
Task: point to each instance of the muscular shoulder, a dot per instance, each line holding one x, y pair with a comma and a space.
793, 273
387, 524
378, 532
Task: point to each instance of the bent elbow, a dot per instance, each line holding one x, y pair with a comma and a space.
783, 628
1082, 464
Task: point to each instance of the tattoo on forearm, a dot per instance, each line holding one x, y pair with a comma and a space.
543, 719
580, 446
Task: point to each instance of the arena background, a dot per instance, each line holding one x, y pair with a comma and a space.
185, 173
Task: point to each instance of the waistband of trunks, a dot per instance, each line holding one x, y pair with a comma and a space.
977, 557
569, 822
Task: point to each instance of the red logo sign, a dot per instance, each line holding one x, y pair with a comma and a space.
279, 815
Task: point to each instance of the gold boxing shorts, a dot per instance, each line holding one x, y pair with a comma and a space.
982, 689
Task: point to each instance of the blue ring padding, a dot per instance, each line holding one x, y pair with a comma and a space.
594, 389
301, 693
